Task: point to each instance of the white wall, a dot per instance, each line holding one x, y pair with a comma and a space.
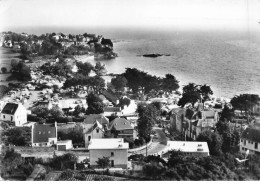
93, 135
120, 156
19, 117
248, 144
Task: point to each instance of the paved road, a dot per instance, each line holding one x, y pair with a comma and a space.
157, 144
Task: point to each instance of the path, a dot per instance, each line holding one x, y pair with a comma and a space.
157, 145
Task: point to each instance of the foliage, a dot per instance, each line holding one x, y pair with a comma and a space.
130, 141
75, 135
95, 105
186, 167
192, 93
84, 68
229, 136
3, 90
245, 102
60, 68
227, 114
123, 102
78, 109
3, 69
11, 160
147, 118
18, 136
214, 141
100, 69
45, 113
20, 71
119, 82
103, 162
170, 83
66, 161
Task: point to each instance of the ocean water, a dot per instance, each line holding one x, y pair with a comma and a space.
227, 61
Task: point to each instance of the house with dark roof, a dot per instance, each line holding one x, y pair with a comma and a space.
122, 128
44, 135
14, 113
250, 140
94, 126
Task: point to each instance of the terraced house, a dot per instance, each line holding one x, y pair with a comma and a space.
250, 140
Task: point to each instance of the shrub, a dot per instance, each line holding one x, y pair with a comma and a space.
4, 70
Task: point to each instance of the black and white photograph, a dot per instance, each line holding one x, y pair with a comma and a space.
129, 90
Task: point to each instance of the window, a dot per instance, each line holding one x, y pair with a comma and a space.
11, 118
244, 142
243, 148
112, 163
241, 140
112, 154
89, 137
256, 145
4, 116
97, 130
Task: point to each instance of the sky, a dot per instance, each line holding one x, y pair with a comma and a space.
183, 14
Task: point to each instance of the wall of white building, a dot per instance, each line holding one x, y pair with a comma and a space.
120, 156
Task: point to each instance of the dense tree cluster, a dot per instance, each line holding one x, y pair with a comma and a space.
147, 118
66, 161
139, 80
214, 141
119, 82
61, 68
230, 136
44, 113
185, 167
245, 102
20, 71
192, 93
76, 135
18, 136
95, 104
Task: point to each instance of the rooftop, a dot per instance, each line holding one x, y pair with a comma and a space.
251, 134
10, 108
112, 109
42, 133
108, 143
90, 119
120, 124
188, 146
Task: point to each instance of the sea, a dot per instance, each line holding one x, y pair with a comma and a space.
228, 61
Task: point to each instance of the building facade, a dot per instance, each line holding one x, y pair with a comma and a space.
14, 113
250, 140
115, 149
44, 135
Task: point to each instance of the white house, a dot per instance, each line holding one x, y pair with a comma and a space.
188, 147
94, 127
64, 145
115, 149
250, 140
96, 131
15, 113
44, 135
